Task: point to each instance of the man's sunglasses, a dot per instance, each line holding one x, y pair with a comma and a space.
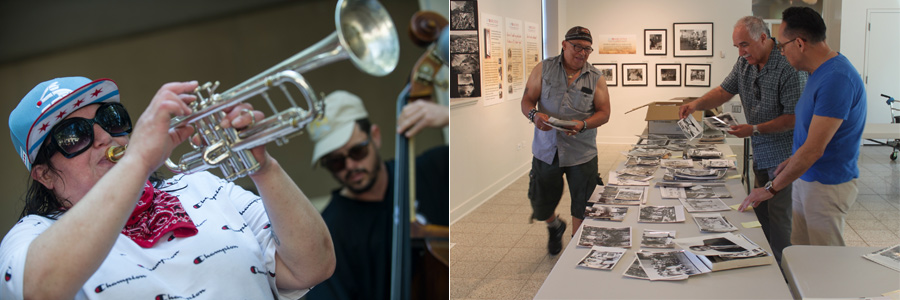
73, 136
337, 162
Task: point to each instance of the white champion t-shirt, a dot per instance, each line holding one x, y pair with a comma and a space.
232, 256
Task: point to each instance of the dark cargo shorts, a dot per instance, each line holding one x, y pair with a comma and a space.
546, 186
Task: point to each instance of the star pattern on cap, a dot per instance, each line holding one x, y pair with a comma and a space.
44, 127
61, 115
96, 92
78, 103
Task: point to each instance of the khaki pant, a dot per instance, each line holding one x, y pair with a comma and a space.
819, 212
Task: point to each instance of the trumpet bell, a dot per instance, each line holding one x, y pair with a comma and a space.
366, 32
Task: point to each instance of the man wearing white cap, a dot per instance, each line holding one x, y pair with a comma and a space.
360, 213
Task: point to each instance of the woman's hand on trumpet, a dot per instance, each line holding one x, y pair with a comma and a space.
152, 142
240, 117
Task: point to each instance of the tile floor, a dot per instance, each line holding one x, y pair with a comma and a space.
498, 254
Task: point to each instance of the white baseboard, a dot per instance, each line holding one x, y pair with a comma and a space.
475, 201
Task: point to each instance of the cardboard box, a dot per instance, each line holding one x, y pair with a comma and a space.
708, 113
662, 117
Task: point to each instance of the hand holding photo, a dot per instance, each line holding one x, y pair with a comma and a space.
722, 122
691, 128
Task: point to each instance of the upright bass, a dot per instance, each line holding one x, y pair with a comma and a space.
427, 29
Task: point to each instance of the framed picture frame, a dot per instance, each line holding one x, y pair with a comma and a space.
655, 41
668, 74
610, 73
692, 39
634, 74
696, 75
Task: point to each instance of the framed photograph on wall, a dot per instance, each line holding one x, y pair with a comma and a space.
692, 39
668, 74
634, 74
609, 72
655, 41
696, 75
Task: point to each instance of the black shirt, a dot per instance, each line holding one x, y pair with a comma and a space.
361, 231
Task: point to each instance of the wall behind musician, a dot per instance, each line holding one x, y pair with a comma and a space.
228, 47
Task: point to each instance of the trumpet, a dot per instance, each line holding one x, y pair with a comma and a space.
364, 34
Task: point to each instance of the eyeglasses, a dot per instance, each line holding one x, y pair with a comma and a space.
337, 162
578, 48
73, 136
781, 46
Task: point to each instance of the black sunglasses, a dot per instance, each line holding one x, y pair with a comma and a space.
337, 162
73, 136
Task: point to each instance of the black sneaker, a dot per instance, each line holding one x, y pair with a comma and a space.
554, 245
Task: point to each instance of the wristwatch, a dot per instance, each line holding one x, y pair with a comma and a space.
769, 188
755, 131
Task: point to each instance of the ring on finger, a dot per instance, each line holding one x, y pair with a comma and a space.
252, 116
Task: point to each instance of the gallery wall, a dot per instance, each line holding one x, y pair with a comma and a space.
853, 45
492, 144
631, 18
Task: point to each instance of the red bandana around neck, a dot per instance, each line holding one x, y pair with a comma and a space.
156, 214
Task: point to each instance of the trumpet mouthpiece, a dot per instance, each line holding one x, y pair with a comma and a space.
115, 153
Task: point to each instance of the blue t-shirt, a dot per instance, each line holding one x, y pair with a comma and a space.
834, 90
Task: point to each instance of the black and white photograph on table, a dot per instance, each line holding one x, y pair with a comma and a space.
608, 213
727, 244
658, 239
635, 270
888, 257
697, 75
605, 236
668, 74
677, 163
655, 41
713, 222
609, 73
692, 39
634, 74
707, 191
704, 205
609, 195
603, 258
670, 265
463, 15
661, 214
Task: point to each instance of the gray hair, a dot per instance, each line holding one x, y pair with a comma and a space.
755, 26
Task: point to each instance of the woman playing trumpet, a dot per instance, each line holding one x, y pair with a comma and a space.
94, 228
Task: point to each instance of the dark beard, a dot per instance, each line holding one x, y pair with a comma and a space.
371, 183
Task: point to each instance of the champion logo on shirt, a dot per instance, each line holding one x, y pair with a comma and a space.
268, 225
261, 271
161, 261
204, 257
167, 296
199, 204
8, 275
173, 181
248, 205
104, 286
235, 230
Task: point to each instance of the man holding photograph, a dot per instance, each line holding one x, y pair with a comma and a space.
568, 88
769, 89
